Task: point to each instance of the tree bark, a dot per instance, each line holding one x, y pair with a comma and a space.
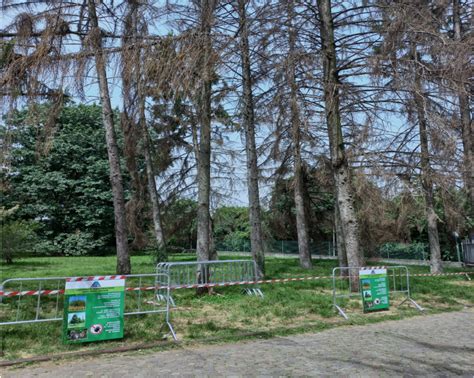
212, 245
341, 248
204, 148
129, 122
123, 258
150, 172
256, 242
340, 166
298, 184
426, 171
467, 125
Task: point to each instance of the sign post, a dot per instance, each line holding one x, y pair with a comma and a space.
93, 308
374, 289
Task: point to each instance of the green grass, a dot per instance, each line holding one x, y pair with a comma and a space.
227, 315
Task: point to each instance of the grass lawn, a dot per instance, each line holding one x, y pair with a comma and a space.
227, 315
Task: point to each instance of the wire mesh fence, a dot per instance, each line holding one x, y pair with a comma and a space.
395, 251
288, 247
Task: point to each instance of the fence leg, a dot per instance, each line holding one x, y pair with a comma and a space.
416, 305
341, 312
409, 299
171, 330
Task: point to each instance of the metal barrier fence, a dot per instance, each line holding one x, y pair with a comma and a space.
197, 274
36, 300
398, 279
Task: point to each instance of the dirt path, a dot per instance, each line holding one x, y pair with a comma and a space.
441, 345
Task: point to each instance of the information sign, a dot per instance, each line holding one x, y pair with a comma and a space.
374, 289
93, 308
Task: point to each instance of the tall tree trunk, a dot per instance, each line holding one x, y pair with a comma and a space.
204, 149
123, 258
467, 126
150, 173
256, 242
340, 166
134, 205
298, 182
130, 124
426, 171
135, 100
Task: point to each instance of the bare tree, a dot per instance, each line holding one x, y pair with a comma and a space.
463, 91
426, 171
135, 121
248, 121
206, 10
95, 37
341, 170
129, 121
298, 181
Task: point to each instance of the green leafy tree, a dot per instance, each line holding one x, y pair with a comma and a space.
62, 181
232, 228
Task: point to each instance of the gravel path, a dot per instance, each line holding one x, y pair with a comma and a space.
440, 345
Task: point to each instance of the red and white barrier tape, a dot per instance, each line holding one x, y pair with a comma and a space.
440, 274
30, 292
95, 278
196, 286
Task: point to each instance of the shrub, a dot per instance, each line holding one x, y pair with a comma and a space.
80, 243
16, 238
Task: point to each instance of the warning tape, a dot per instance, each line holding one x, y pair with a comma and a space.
95, 278
196, 286
440, 274
30, 292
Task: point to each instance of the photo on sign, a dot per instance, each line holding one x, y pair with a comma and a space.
366, 284
367, 294
76, 334
77, 303
76, 320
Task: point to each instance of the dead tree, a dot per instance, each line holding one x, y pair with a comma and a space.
467, 126
95, 36
248, 120
298, 180
425, 166
341, 170
206, 14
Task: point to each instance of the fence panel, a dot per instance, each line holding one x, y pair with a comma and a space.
35, 300
197, 274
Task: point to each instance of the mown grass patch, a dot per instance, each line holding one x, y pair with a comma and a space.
227, 315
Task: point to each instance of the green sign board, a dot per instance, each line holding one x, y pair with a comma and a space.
93, 308
374, 289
